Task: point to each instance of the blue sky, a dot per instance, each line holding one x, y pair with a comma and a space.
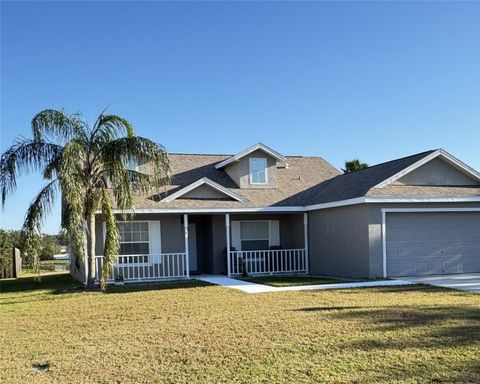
373, 80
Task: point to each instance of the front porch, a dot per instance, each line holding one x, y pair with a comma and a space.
158, 247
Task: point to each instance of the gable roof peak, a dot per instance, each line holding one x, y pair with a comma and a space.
425, 157
256, 147
204, 181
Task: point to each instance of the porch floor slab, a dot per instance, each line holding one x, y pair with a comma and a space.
248, 287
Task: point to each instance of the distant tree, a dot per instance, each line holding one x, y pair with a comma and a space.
354, 165
88, 165
18, 239
6, 246
49, 246
62, 238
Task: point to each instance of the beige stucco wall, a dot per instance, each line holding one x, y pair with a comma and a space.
239, 171
436, 172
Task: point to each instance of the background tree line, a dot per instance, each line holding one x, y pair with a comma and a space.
45, 245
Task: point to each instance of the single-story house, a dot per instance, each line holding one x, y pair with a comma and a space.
260, 212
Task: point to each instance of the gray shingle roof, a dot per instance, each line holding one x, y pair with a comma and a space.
303, 173
306, 181
358, 183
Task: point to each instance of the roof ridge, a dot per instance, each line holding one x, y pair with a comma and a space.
391, 161
198, 154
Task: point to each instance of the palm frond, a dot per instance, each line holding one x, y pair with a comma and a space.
112, 239
24, 156
54, 124
52, 168
40, 207
74, 224
73, 183
110, 127
142, 151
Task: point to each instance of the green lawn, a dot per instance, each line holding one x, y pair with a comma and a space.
285, 281
192, 332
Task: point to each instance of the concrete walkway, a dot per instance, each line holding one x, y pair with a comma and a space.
465, 282
248, 287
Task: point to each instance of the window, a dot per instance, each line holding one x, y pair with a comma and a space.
258, 171
254, 235
134, 240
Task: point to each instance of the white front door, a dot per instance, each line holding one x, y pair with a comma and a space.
192, 247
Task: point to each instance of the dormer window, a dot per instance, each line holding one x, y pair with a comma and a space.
258, 171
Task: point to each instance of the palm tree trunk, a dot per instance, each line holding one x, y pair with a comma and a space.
91, 250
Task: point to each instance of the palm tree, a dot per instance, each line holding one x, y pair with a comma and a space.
354, 165
89, 167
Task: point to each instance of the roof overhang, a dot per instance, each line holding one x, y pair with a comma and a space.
394, 199
293, 209
253, 148
444, 155
198, 183
278, 209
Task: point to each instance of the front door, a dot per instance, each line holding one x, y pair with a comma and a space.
192, 247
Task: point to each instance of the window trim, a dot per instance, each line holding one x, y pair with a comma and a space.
250, 171
149, 255
255, 221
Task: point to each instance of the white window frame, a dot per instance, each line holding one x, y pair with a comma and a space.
136, 242
258, 258
255, 221
266, 170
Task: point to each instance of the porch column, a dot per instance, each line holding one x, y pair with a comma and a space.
305, 236
227, 229
185, 228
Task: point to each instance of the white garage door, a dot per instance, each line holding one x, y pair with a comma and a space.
431, 243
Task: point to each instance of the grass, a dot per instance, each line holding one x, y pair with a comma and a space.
192, 332
286, 281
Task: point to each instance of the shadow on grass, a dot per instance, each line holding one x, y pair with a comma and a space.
285, 281
54, 283
157, 286
399, 289
323, 309
63, 283
443, 325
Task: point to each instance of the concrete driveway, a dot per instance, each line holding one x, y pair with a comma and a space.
467, 282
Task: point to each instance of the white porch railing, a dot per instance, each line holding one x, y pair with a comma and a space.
268, 262
145, 267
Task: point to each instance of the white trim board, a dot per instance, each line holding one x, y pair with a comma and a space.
245, 152
406, 210
198, 183
209, 210
456, 163
385, 200
358, 200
